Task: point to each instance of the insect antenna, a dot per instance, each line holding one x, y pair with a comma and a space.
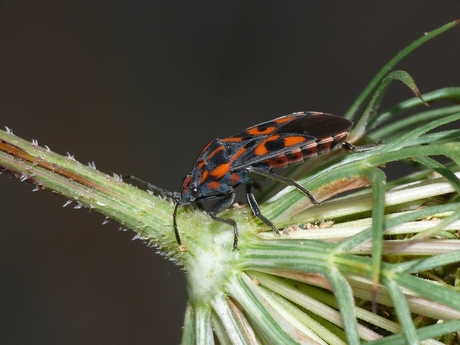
171, 195
175, 196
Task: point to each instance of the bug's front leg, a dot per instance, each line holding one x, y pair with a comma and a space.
256, 210
220, 205
281, 179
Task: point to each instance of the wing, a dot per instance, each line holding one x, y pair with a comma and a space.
238, 145
316, 124
265, 128
288, 140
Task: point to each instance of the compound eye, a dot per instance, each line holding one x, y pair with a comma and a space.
195, 191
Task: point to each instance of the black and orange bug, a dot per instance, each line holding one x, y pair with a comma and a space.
226, 163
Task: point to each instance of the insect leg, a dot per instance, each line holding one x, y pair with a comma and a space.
281, 179
220, 205
353, 148
176, 230
256, 210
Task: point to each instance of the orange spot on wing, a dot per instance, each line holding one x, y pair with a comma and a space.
256, 131
261, 149
227, 140
213, 153
289, 141
286, 119
221, 170
210, 156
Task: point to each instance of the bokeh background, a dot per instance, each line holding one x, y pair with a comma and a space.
139, 87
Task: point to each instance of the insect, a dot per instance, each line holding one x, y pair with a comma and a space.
226, 163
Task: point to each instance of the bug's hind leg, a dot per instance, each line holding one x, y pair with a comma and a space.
220, 205
256, 210
360, 148
281, 179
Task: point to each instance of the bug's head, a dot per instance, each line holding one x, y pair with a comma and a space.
190, 190
198, 187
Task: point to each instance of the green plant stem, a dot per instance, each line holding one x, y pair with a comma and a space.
149, 216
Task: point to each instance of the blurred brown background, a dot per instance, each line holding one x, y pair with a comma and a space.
139, 87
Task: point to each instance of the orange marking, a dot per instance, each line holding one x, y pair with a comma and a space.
236, 155
279, 161
213, 185
187, 180
221, 170
204, 176
234, 177
285, 119
206, 147
227, 140
211, 155
256, 131
289, 141
261, 149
